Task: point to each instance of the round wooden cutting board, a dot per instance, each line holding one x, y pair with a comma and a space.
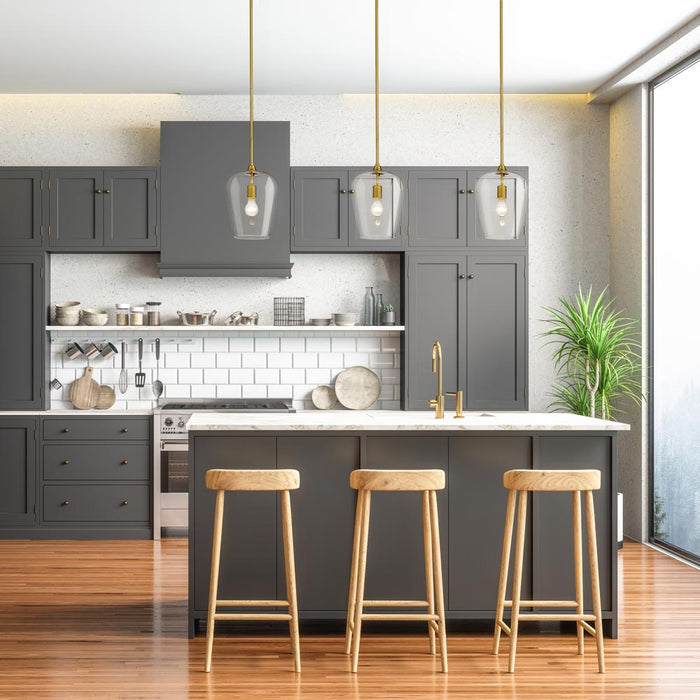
105, 397
84, 391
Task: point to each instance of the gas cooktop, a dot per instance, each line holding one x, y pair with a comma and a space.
243, 405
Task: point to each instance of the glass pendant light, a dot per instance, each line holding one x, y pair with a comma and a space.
500, 195
251, 193
376, 194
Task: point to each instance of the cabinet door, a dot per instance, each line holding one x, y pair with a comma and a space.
323, 514
321, 203
436, 307
553, 540
475, 227
76, 208
496, 343
395, 560
477, 516
249, 543
20, 208
17, 470
130, 209
437, 208
21, 346
389, 196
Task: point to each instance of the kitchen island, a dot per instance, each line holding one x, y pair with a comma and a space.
326, 446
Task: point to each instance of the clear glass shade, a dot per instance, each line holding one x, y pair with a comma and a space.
251, 216
501, 219
376, 218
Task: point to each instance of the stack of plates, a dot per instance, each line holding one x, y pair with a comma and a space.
319, 321
345, 319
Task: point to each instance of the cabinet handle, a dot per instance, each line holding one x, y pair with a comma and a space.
65, 461
462, 277
471, 191
471, 277
98, 191
65, 503
125, 503
343, 191
107, 192
66, 430
462, 191
125, 461
352, 191
125, 430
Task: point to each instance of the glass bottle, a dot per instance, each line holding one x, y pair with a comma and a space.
369, 307
378, 310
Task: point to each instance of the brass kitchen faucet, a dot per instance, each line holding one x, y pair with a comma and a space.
438, 403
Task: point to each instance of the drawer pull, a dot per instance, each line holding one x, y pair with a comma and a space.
66, 430
65, 461
125, 430
125, 503
125, 461
65, 503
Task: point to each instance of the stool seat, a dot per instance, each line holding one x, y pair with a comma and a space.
552, 480
252, 479
398, 479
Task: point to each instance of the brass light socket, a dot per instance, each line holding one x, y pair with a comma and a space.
252, 191
376, 191
502, 191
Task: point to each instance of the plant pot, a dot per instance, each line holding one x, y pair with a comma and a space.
388, 318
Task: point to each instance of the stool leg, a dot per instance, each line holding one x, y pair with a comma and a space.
595, 583
290, 573
353, 574
361, 569
578, 567
214, 575
437, 568
517, 577
429, 581
505, 561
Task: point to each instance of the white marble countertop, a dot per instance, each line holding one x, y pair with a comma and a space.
398, 420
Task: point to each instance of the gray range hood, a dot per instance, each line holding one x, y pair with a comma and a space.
197, 159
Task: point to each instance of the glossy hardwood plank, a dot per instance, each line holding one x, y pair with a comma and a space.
94, 620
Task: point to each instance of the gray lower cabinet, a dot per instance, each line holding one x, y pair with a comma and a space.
21, 208
17, 471
22, 289
96, 477
103, 209
197, 160
476, 307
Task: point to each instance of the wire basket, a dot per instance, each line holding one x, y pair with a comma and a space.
289, 311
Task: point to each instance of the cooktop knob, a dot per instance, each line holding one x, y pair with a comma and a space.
181, 423
168, 422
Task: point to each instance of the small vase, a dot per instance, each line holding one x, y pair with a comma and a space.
388, 318
369, 307
378, 309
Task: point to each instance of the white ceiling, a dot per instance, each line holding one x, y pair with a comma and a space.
325, 46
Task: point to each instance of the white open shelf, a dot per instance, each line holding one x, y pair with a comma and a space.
151, 330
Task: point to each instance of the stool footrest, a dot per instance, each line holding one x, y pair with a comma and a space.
543, 603
503, 626
251, 603
252, 616
395, 603
587, 627
423, 617
553, 616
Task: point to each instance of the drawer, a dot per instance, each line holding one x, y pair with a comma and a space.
112, 462
106, 429
97, 503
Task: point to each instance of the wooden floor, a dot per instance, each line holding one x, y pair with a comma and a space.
93, 620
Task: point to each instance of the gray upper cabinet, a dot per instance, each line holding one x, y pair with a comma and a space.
18, 470
197, 160
437, 208
22, 348
21, 191
323, 213
94, 208
496, 337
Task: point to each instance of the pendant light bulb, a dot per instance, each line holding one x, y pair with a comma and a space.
377, 208
501, 208
251, 208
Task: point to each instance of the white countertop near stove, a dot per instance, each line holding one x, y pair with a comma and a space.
398, 420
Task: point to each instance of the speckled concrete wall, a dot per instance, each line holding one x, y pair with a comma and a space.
563, 140
628, 260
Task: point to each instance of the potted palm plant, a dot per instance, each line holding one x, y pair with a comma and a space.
596, 356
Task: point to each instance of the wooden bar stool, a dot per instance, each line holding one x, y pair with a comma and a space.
428, 481
282, 480
521, 481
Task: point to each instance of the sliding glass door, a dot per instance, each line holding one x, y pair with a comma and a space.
675, 308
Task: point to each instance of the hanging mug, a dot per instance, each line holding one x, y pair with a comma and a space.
73, 351
108, 350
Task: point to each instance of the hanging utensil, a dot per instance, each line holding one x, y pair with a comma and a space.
140, 378
157, 384
123, 377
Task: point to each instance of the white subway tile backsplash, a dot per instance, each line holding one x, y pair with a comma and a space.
292, 344
267, 344
267, 376
390, 376
241, 344
302, 391
216, 376
381, 359
228, 359
216, 344
172, 359
292, 376
280, 360
318, 344
353, 359
176, 391
330, 359
241, 376
251, 391
279, 391
343, 344
305, 359
228, 391
190, 376
368, 345
204, 391
391, 344
191, 345
203, 359
254, 359
318, 376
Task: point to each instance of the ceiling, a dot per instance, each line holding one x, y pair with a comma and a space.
325, 46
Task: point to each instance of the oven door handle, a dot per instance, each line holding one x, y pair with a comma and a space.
174, 446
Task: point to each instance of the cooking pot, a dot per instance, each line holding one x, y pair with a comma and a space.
237, 318
196, 318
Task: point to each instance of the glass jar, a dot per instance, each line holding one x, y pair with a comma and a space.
122, 314
136, 316
153, 313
